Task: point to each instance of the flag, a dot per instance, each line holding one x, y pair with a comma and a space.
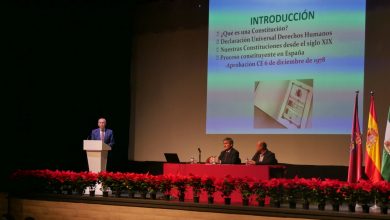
373, 159
386, 152
355, 148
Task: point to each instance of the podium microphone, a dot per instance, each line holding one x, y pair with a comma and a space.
200, 153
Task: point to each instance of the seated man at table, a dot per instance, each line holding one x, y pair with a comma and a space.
229, 155
263, 156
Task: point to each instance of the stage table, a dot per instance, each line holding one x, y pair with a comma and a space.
257, 172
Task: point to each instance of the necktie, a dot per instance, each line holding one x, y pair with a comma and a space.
102, 135
226, 156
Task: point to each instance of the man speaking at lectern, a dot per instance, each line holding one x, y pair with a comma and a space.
102, 133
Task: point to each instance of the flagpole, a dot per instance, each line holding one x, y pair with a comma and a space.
375, 208
357, 206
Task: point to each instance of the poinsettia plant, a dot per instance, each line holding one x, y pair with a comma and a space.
180, 183
34, 181
259, 189
306, 189
105, 179
114, 181
333, 191
349, 193
275, 190
291, 189
80, 181
319, 195
67, 180
245, 186
53, 183
166, 184
154, 184
226, 186
381, 192
209, 187
196, 183
129, 182
364, 192
90, 179
141, 183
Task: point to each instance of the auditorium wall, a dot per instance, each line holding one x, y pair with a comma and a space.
169, 88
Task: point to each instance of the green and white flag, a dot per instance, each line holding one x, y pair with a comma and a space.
386, 152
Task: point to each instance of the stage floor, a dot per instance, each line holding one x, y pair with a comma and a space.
85, 207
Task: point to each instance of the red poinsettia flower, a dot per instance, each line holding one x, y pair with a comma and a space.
381, 190
209, 186
180, 183
196, 183
166, 184
226, 186
245, 186
364, 192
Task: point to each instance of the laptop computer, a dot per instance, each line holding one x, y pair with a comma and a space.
172, 157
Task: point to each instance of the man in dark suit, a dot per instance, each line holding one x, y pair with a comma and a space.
263, 156
229, 155
102, 133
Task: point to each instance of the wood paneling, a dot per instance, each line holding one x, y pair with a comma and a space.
3, 203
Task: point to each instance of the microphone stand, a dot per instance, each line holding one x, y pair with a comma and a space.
200, 155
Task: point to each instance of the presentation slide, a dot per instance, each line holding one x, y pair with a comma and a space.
284, 66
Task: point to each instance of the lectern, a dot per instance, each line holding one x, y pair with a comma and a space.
97, 152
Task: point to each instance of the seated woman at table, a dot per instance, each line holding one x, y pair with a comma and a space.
229, 155
263, 156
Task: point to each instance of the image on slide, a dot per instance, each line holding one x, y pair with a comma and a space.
283, 104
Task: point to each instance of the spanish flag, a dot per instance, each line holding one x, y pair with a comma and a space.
373, 155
